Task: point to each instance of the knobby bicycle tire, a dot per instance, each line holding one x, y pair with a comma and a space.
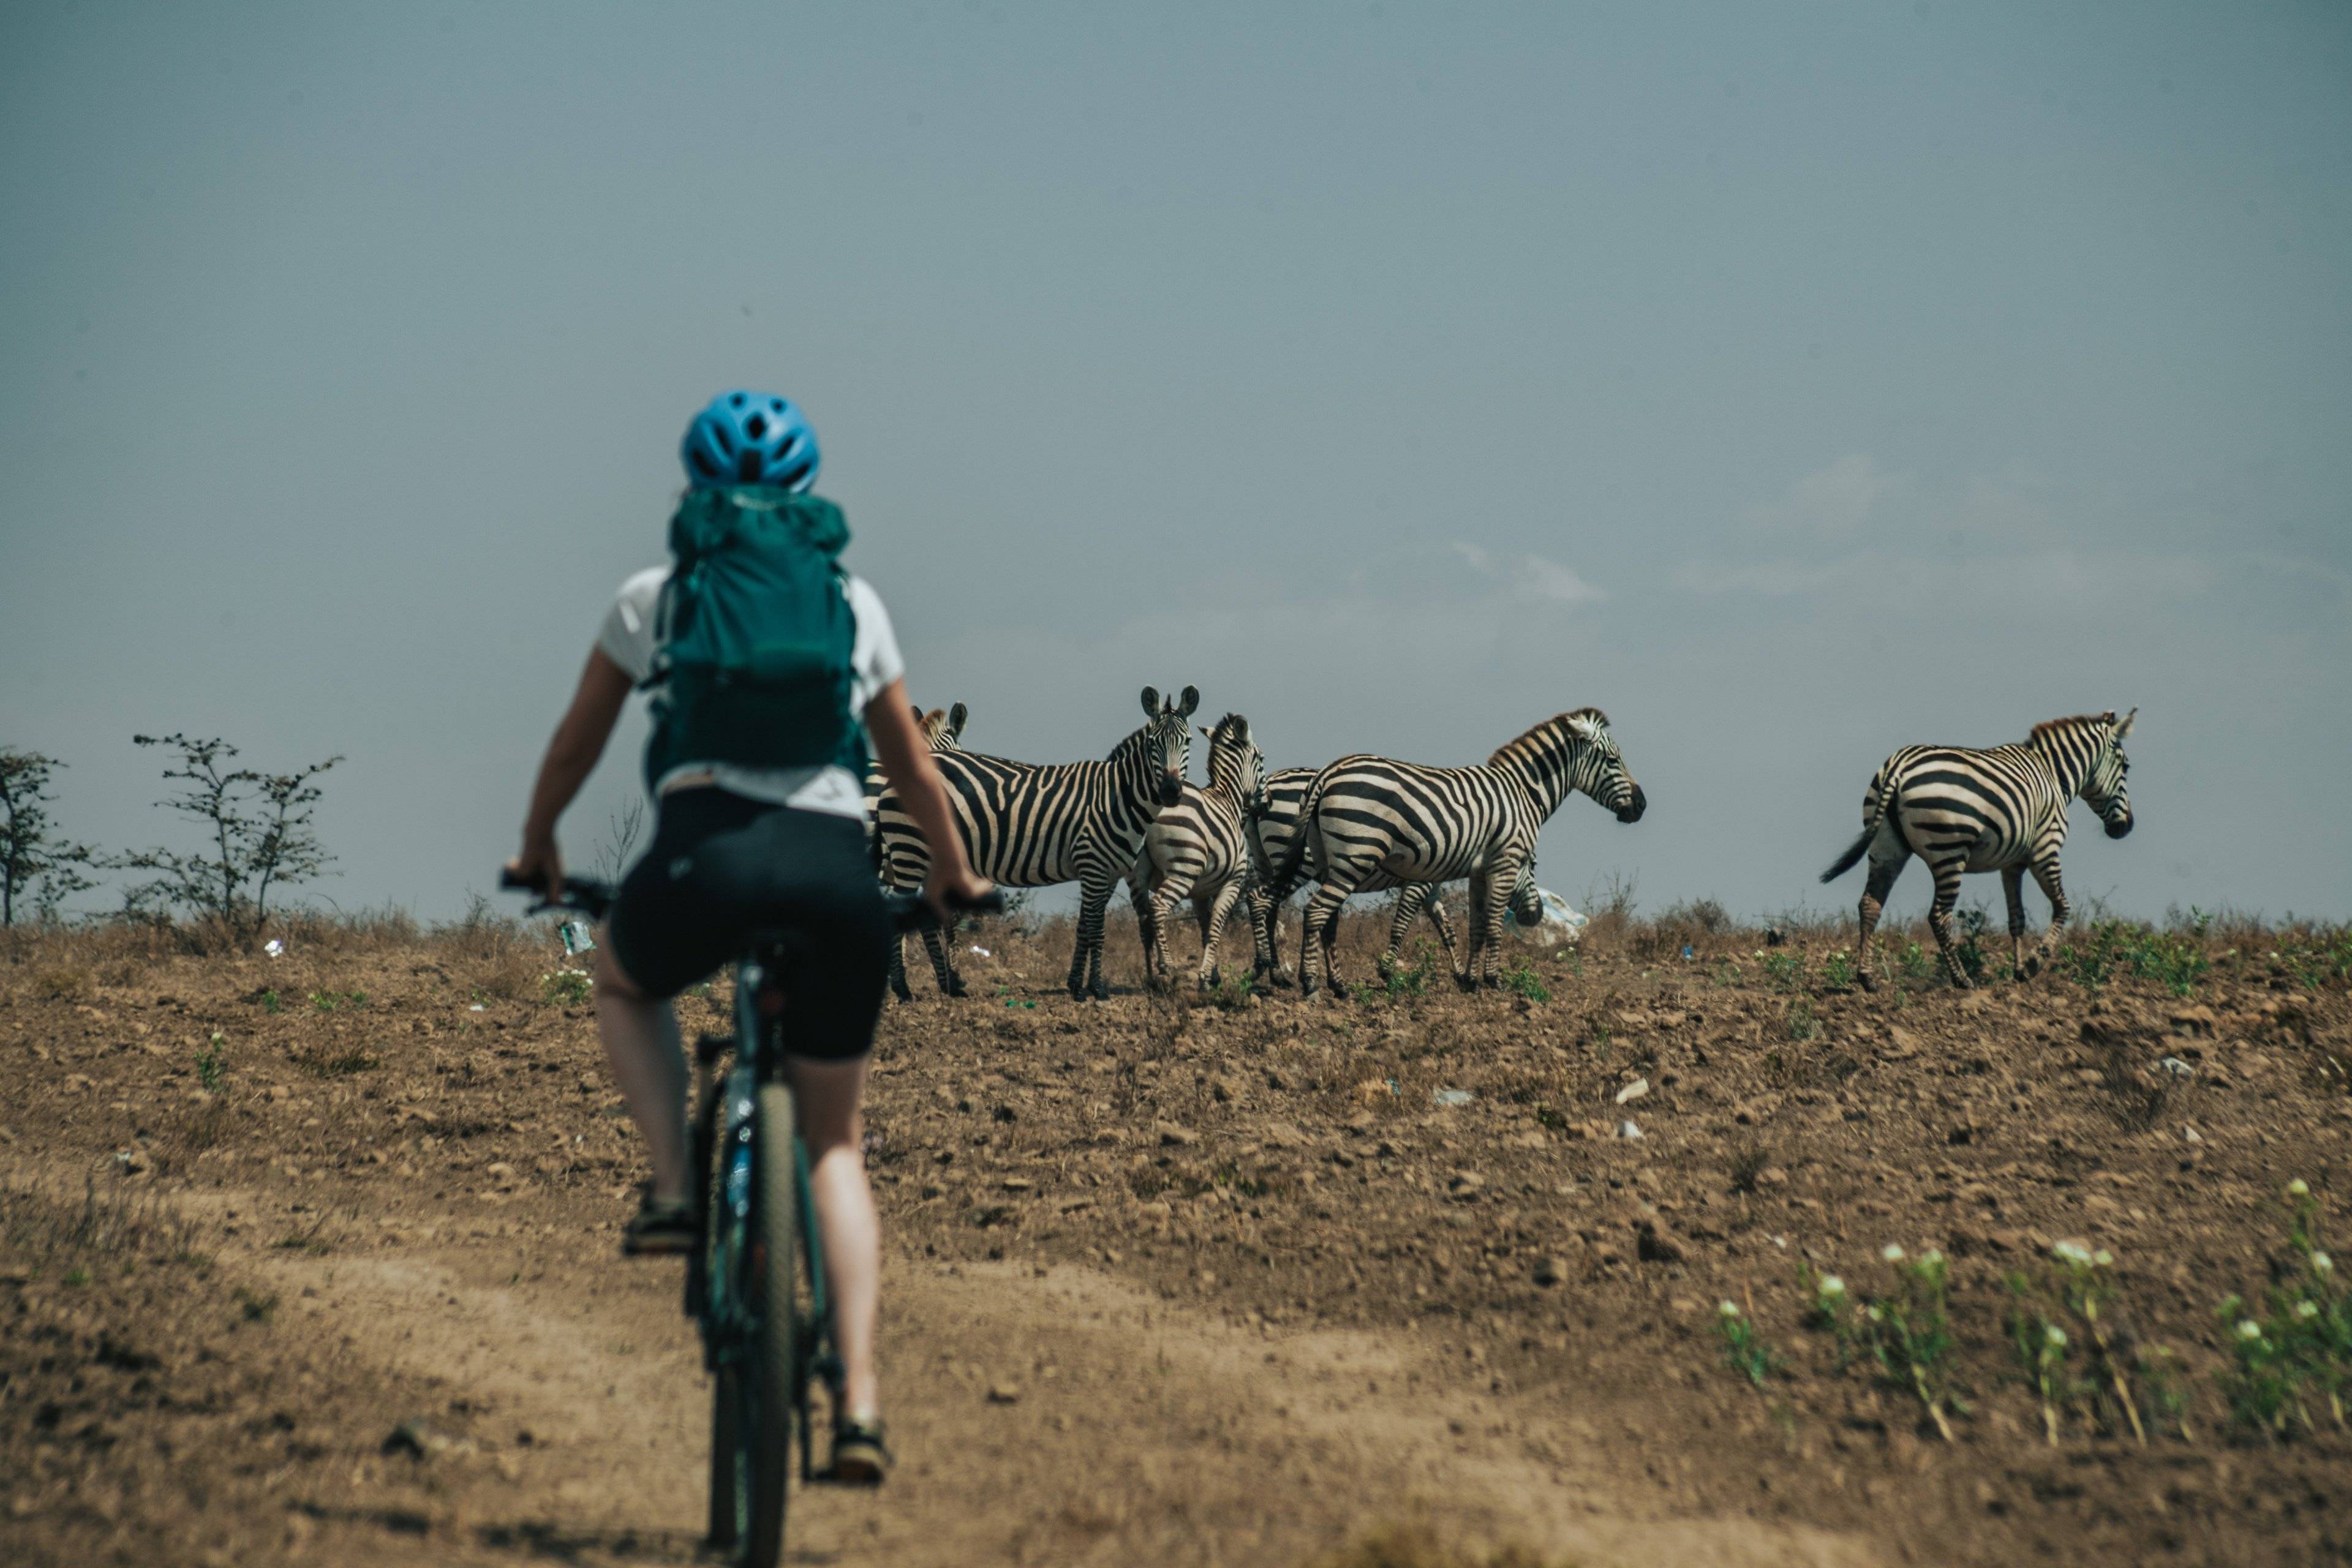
726, 1523
772, 1367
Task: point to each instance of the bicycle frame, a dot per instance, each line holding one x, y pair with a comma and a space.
730, 1138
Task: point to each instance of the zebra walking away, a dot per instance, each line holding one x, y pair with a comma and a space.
1032, 824
1199, 850
2003, 809
943, 731
1364, 815
1270, 833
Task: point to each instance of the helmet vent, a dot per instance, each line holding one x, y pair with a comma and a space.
756, 426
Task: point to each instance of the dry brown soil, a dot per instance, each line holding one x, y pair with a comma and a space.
1172, 1280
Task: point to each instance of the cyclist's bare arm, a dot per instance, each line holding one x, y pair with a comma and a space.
571, 757
907, 762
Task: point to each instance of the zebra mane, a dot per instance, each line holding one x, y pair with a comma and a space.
2058, 726
1556, 724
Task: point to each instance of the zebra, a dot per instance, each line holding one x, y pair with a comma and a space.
2003, 809
943, 731
1365, 815
1032, 824
1270, 830
1197, 849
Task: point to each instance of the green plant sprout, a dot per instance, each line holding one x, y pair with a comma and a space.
1910, 1333
1748, 1353
209, 1067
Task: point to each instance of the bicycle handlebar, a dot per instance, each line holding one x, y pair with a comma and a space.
592, 897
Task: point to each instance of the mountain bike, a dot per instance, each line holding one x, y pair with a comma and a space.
755, 1279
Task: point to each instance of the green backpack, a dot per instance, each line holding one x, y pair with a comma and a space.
754, 636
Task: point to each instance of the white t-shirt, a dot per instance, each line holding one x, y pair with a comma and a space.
627, 639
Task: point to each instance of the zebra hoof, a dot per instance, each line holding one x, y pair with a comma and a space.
1867, 981
902, 994
956, 987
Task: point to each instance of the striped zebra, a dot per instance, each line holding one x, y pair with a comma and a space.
1032, 824
1199, 850
1365, 815
943, 731
1270, 832
2003, 809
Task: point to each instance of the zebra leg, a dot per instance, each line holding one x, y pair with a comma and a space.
1488, 895
1220, 912
935, 942
1317, 942
1147, 922
1434, 908
2013, 889
2053, 887
899, 987
1874, 904
1264, 913
1939, 920
1086, 962
1402, 914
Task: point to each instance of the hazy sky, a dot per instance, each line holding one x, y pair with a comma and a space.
1792, 381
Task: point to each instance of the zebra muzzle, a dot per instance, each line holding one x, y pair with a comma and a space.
1635, 806
2120, 827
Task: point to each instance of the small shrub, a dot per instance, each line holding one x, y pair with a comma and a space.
1914, 961
1972, 952
1521, 979
1910, 1334
567, 988
1837, 970
1402, 983
1802, 1025
270, 1003
209, 1069
1785, 970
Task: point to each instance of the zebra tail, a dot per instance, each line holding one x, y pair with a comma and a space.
1293, 855
1874, 811
1854, 852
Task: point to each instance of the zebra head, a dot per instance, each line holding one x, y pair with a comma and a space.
2107, 786
1168, 741
1236, 761
942, 728
1526, 898
1597, 768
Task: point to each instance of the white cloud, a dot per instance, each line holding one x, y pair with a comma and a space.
1551, 580
1530, 577
1836, 501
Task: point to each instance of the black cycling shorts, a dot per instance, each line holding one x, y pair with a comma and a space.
721, 866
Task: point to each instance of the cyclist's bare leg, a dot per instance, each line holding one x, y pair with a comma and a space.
640, 1039
829, 1096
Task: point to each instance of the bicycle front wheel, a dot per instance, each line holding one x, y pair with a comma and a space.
773, 1377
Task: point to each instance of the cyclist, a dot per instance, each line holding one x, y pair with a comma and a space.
737, 847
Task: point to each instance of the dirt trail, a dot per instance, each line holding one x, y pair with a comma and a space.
1242, 1446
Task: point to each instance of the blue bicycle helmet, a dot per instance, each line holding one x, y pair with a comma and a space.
750, 439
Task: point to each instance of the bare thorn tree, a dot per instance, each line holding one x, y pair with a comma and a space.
259, 828
620, 837
37, 868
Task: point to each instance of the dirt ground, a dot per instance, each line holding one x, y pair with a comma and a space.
1183, 1280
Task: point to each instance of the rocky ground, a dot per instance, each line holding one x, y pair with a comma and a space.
310, 1258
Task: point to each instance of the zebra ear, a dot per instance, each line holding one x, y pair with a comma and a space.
1152, 703
1189, 701
956, 716
1581, 726
2125, 728
1207, 734
919, 713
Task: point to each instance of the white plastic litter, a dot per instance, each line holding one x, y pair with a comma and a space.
1633, 1091
1451, 1097
1626, 1129
2176, 1067
477, 1008
1560, 926
274, 948
576, 938
979, 951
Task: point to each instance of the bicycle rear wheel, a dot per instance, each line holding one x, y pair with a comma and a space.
771, 1370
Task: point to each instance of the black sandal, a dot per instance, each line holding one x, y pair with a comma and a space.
860, 1457
658, 1229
